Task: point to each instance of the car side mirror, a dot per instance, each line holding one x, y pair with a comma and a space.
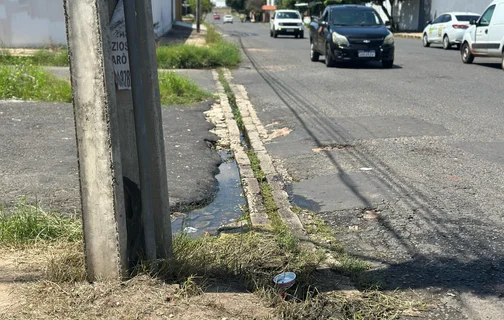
429, 22
388, 25
473, 22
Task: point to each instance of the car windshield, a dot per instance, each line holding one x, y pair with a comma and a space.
467, 18
355, 17
287, 15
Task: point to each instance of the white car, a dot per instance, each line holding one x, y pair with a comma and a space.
485, 37
448, 29
286, 22
228, 18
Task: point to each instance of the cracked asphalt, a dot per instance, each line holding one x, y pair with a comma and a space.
406, 164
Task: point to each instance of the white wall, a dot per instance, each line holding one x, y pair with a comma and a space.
440, 6
40, 23
162, 15
407, 13
31, 23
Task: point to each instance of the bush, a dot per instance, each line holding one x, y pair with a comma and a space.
219, 54
26, 223
28, 82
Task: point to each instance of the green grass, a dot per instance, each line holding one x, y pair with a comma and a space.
182, 56
212, 35
26, 223
217, 53
41, 57
283, 235
179, 90
232, 102
29, 82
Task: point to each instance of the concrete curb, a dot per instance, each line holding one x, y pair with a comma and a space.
221, 115
256, 134
408, 35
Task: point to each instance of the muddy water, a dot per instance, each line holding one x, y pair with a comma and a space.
225, 208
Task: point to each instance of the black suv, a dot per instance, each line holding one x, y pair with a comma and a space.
351, 32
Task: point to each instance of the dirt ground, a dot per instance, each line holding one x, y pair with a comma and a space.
26, 294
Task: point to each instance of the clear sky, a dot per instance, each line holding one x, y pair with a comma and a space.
219, 3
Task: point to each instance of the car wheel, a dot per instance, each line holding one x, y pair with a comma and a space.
502, 62
387, 63
329, 61
425, 41
467, 56
314, 55
302, 35
275, 34
271, 33
446, 42
296, 36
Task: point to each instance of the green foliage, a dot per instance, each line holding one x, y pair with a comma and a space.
206, 6
212, 36
255, 5
236, 4
179, 90
180, 56
26, 223
28, 82
287, 4
41, 57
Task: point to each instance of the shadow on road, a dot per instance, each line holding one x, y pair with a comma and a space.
362, 65
177, 34
470, 270
497, 66
482, 276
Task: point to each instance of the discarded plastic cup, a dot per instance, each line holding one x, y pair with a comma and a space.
190, 230
285, 280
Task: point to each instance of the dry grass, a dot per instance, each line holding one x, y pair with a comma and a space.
210, 278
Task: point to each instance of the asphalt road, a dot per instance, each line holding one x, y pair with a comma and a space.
406, 163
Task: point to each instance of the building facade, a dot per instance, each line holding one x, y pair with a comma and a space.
412, 15
41, 23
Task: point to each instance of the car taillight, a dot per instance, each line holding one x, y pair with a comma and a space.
460, 26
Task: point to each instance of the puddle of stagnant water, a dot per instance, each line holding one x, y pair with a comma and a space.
224, 209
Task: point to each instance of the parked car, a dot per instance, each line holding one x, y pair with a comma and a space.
286, 22
351, 32
485, 37
448, 29
216, 16
228, 18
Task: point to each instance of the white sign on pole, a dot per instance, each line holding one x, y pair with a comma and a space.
119, 45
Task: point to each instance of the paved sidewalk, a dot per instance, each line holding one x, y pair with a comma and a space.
39, 157
410, 35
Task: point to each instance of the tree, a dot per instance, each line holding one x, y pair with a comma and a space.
287, 4
254, 5
236, 4
381, 3
206, 6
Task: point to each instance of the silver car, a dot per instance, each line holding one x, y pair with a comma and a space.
228, 18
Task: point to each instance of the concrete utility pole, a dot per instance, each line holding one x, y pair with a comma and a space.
120, 143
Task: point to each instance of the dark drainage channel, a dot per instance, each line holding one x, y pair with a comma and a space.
225, 208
